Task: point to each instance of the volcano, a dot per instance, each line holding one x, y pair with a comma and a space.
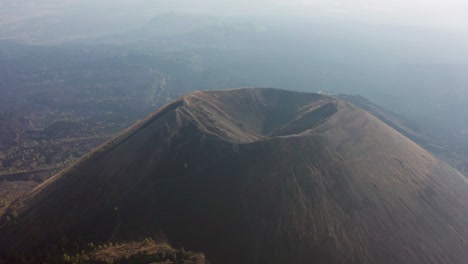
255, 176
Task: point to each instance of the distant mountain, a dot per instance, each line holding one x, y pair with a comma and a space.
254, 176
170, 24
188, 32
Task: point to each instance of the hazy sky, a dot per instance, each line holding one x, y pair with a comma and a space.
435, 13
451, 14
438, 13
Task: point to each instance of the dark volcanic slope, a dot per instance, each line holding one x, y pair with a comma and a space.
447, 152
257, 176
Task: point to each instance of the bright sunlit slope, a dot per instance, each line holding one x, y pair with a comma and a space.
255, 176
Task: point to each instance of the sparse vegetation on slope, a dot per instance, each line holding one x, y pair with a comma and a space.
138, 252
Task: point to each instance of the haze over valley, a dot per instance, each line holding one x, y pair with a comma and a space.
369, 106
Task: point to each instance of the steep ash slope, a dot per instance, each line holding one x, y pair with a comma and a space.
256, 176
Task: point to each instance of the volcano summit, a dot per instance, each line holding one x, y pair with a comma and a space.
256, 176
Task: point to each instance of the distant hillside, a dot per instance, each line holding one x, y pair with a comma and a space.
253, 176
